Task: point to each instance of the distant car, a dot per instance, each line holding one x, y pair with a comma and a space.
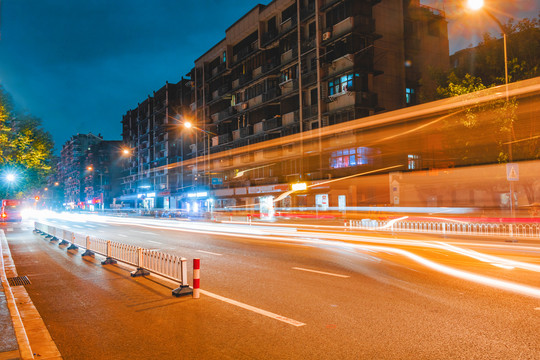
10, 211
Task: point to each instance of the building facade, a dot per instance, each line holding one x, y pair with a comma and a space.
102, 171
285, 68
72, 167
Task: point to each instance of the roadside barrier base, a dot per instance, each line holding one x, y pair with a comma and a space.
73, 247
183, 290
140, 272
63, 242
54, 238
109, 261
88, 253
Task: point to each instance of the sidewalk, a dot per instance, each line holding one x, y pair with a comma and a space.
24, 335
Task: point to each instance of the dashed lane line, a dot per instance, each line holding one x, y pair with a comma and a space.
254, 309
209, 252
321, 272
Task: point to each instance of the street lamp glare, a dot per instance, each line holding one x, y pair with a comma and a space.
10, 177
125, 152
187, 124
89, 168
475, 4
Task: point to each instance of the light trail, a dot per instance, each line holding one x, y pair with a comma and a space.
346, 241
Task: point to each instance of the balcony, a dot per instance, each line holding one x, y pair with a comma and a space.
310, 111
270, 65
309, 78
268, 37
245, 78
246, 131
272, 123
288, 25
271, 94
244, 52
290, 118
288, 86
343, 27
307, 12
289, 55
307, 45
224, 89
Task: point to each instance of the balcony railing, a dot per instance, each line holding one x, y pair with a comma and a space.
268, 37
272, 123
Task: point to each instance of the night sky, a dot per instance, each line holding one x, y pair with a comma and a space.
81, 65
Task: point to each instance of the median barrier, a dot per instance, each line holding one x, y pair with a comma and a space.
529, 231
146, 261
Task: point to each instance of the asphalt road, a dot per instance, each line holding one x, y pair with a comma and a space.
337, 295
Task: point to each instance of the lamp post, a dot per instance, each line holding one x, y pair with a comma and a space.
189, 125
91, 168
477, 5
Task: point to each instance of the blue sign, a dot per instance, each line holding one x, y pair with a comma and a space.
217, 181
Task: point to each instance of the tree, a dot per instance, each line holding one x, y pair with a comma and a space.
25, 149
486, 61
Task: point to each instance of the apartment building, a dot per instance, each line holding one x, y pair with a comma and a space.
72, 167
154, 135
288, 67
295, 66
102, 171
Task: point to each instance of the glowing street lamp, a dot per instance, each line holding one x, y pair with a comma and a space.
10, 177
479, 4
475, 4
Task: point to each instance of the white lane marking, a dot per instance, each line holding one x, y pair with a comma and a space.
145, 232
254, 309
321, 272
537, 308
122, 235
155, 242
90, 226
78, 226
9, 229
209, 252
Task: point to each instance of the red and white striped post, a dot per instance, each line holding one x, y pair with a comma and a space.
196, 277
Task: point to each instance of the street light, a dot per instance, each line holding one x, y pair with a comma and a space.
91, 168
10, 179
477, 5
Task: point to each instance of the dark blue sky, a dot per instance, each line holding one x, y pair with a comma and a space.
80, 65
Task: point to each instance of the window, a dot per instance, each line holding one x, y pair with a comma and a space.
288, 74
340, 84
224, 57
409, 96
413, 162
352, 157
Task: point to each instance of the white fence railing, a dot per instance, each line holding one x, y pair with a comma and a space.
169, 266
479, 229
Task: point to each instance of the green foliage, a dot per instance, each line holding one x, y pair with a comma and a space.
25, 149
486, 61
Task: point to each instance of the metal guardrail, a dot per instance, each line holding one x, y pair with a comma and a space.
147, 261
477, 229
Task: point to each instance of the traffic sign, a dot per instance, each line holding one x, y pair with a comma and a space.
512, 172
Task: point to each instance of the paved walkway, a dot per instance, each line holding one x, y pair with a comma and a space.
24, 334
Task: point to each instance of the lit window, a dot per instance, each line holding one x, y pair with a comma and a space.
413, 162
409, 96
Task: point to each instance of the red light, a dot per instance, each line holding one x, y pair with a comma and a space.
4, 215
37, 198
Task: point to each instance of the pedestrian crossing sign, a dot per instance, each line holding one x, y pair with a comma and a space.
512, 172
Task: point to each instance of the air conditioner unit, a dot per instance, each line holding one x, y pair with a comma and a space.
326, 35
